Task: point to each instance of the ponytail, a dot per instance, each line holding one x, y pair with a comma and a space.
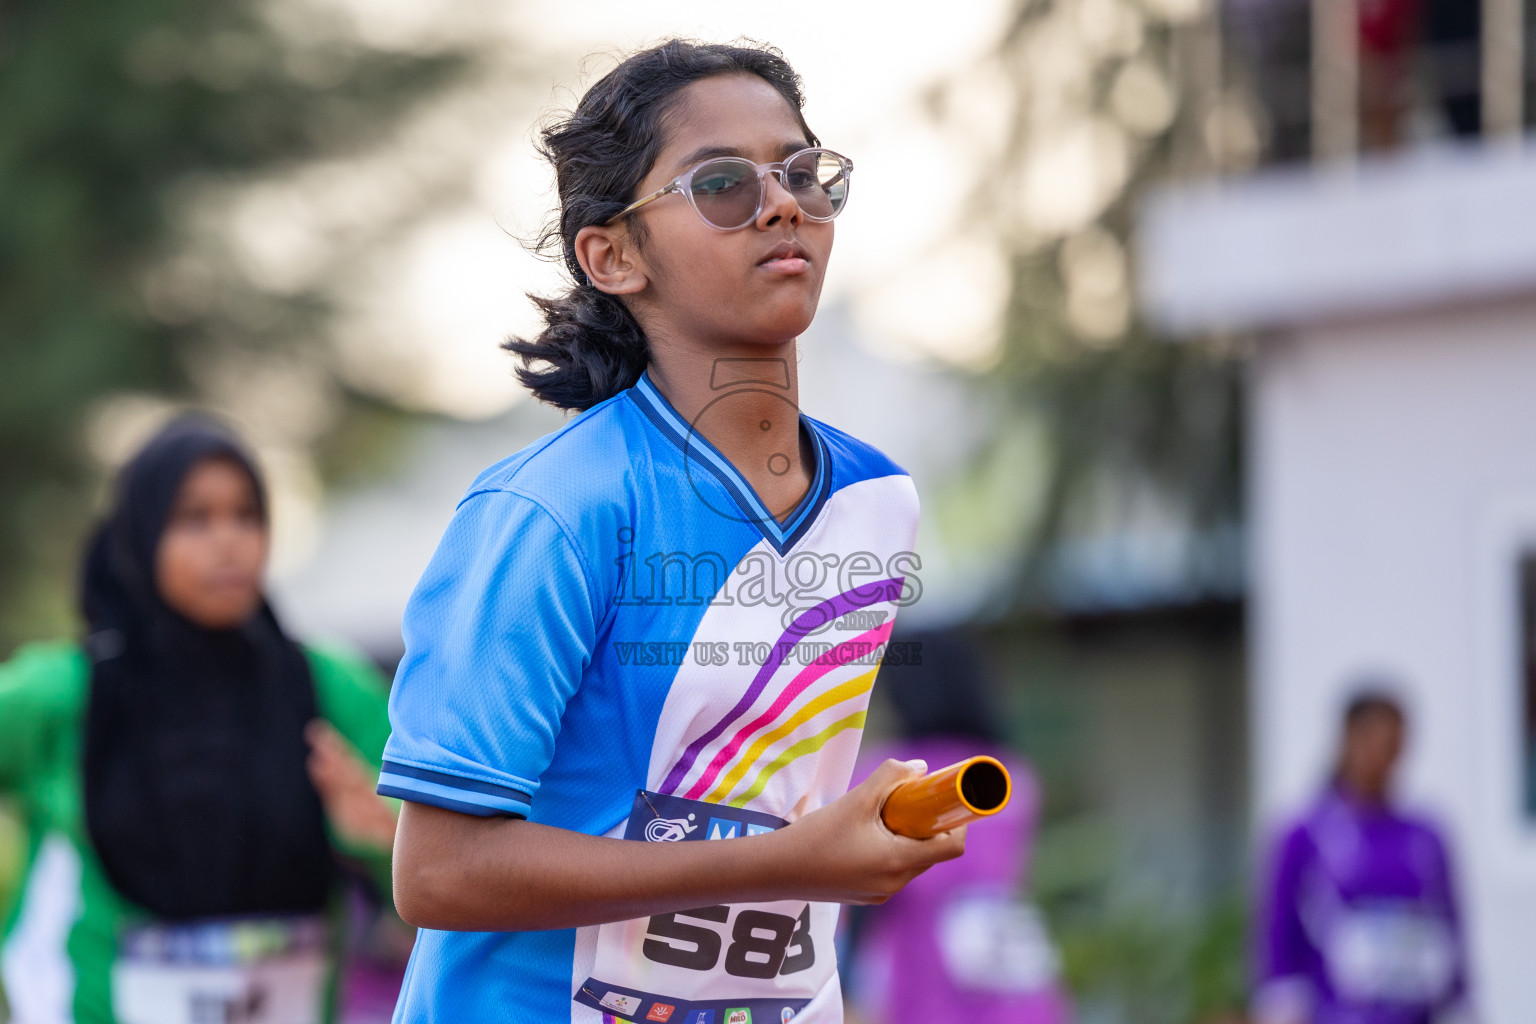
592, 347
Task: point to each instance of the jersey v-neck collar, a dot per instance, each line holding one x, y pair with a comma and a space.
782, 536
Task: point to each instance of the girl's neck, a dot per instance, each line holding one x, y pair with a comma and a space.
745, 401
1367, 791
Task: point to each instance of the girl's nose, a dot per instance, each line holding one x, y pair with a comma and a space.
777, 201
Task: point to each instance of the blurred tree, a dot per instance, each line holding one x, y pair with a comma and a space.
121, 127
1129, 435
1117, 451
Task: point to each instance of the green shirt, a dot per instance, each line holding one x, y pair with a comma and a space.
61, 934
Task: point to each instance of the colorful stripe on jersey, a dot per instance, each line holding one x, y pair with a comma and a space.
453, 792
730, 764
697, 448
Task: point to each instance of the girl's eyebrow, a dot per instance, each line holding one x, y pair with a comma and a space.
706, 152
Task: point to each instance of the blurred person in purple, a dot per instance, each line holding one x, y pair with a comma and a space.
1359, 922
961, 942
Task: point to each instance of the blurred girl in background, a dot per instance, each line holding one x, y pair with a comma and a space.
1359, 921
187, 777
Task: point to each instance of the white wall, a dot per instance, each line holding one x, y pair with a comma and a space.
1427, 225
1394, 476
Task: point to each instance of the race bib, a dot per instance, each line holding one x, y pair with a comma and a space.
993, 943
1394, 953
747, 963
238, 971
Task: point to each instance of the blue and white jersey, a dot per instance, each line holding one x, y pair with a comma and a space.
616, 637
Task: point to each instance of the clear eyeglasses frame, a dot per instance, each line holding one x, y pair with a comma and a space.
716, 188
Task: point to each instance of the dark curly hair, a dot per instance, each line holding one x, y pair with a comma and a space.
591, 347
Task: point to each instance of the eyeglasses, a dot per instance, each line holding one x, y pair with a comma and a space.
721, 193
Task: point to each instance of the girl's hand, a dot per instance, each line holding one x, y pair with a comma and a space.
464, 873
346, 785
843, 852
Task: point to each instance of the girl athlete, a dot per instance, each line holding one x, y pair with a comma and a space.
1359, 921
183, 796
637, 667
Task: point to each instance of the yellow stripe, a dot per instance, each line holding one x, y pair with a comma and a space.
805, 746
852, 688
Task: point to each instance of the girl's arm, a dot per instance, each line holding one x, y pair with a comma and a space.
1283, 952
462, 873
362, 822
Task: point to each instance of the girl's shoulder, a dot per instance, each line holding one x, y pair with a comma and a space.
45, 679
853, 459
337, 667
589, 458
583, 478
860, 467
352, 694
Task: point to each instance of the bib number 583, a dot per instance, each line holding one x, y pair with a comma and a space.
763, 944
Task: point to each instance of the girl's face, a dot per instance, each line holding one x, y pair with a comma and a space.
209, 563
1372, 747
756, 285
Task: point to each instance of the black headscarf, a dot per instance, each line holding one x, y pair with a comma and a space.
197, 800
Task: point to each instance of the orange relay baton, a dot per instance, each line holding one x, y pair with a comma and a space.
941, 800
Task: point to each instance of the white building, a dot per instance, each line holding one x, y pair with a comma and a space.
1392, 460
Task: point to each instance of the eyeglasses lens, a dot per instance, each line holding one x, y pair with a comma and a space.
817, 181
725, 192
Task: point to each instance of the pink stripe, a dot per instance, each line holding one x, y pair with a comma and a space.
805, 624
812, 672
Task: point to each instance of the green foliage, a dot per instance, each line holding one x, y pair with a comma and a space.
110, 118
1142, 419
1105, 99
1133, 961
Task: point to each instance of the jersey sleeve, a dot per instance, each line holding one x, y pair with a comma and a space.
41, 687
497, 636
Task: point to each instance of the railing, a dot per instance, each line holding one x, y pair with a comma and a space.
1337, 79
1339, 84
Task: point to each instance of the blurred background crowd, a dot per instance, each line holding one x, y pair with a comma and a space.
1207, 329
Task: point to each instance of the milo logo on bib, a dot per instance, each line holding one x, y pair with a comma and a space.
738, 1016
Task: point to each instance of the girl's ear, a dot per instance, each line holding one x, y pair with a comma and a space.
607, 257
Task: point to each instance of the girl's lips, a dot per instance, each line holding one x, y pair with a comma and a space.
786, 258
225, 581
786, 265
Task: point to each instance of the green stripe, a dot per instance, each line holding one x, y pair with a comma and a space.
806, 746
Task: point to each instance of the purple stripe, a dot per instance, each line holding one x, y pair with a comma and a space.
805, 623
